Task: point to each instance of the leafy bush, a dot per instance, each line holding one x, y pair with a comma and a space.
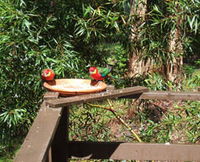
192, 81
155, 82
38, 35
25, 50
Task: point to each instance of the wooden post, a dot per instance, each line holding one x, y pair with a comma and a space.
59, 143
37, 144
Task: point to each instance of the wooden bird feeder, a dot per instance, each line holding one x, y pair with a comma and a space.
72, 87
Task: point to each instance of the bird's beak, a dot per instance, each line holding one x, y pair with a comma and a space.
48, 74
93, 72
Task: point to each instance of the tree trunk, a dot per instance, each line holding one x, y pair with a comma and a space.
136, 65
175, 59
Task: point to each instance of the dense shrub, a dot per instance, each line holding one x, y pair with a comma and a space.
37, 35
27, 47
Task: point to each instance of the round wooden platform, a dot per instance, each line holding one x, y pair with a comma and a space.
71, 87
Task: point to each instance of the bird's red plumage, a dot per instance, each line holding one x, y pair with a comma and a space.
95, 74
48, 75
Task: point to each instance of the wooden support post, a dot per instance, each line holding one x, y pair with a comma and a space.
37, 144
59, 143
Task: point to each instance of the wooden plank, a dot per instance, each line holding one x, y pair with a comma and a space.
167, 95
50, 95
61, 102
37, 142
133, 151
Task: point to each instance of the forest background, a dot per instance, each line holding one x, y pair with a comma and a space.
156, 44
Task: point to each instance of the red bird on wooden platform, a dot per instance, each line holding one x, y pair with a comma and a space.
48, 75
99, 74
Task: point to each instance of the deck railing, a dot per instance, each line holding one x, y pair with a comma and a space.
47, 138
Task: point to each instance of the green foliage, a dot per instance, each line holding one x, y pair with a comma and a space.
169, 128
16, 110
88, 123
47, 34
198, 62
155, 124
26, 47
5, 160
160, 20
96, 20
193, 80
155, 82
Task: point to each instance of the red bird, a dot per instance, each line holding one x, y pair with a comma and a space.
99, 73
48, 75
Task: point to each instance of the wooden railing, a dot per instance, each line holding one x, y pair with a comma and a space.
47, 139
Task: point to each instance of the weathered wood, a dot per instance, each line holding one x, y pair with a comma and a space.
47, 138
37, 143
110, 88
59, 145
133, 151
50, 95
97, 96
167, 95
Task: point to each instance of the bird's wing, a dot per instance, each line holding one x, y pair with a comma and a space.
104, 71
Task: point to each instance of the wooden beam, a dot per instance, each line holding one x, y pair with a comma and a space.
37, 143
167, 95
133, 151
132, 91
51, 95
